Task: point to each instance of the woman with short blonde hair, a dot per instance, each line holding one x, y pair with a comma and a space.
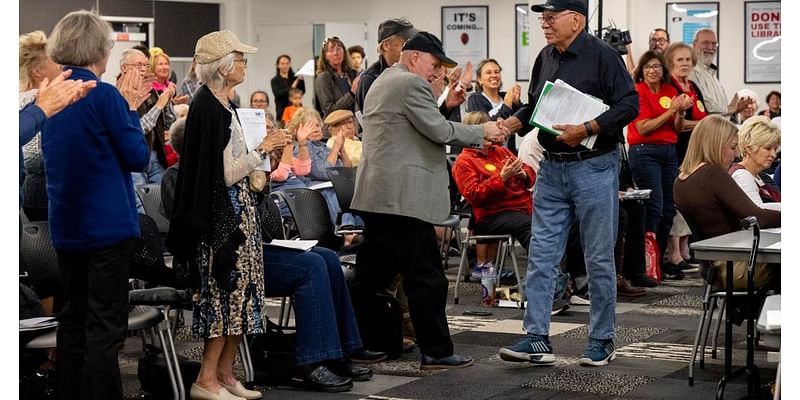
759, 140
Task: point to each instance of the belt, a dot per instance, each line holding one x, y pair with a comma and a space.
578, 155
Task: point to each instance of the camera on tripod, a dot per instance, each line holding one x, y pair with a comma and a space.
617, 38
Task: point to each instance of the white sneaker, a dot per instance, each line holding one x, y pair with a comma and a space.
576, 300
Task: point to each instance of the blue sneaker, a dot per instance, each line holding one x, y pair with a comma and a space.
598, 353
535, 349
480, 269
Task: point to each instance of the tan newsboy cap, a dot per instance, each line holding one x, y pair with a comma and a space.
338, 116
216, 45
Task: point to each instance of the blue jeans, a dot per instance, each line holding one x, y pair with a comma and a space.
151, 175
655, 167
326, 323
586, 190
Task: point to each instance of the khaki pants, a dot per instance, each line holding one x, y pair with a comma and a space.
766, 276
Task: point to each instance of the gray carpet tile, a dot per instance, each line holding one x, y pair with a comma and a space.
591, 381
681, 300
621, 334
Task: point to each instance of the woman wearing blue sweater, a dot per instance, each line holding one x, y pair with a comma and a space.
90, 149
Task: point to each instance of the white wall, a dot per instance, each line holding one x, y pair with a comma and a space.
638, 16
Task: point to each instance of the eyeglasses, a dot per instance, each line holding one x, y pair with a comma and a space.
137, 65
242, 60
659, 41
551, 19
652, 67
260, 101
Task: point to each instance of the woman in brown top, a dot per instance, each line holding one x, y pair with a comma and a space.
706, 194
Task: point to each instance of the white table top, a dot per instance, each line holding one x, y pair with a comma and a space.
736, 246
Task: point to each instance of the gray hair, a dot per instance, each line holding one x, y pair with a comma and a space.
210, 75
176, 135
702, 31
127, 54
81, 39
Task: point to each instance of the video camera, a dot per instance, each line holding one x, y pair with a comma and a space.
618, 39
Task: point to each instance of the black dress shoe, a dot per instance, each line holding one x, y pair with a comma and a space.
644, 281
347, 369
453, 361
367, 356
321, 379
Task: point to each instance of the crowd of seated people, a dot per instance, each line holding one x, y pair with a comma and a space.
684, 154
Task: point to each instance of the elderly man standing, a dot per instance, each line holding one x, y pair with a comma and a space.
392, 34
401, 191
705, 75
575, 183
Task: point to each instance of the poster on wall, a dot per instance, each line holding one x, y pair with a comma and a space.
762, 42
684, 19
465, 33
523, 41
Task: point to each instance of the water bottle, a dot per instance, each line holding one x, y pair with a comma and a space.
488, 285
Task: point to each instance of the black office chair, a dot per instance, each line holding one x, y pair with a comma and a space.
344, 184
310, 213
40, 261
150, 195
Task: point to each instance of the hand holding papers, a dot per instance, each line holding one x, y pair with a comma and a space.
562, 104
254, 124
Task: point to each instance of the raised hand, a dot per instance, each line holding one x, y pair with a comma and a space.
56, 95
305, 130
275, 140
130, 88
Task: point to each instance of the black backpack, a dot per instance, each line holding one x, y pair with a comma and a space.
154, 376
272, 354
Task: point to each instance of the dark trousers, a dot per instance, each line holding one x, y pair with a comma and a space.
655, 167
633, 254
396, 244
516, 223
93, 323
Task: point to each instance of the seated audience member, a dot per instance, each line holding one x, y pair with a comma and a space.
295, 103
707, 195
773, 105
759, 140
531, 151
495, 183
286, 167
748, 111
328, 340
259, 99
490, 99
170, 178
321, 157
190, 84
341, 125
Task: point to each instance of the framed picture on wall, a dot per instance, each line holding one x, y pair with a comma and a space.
762, 41
465, 33
684, 19
522, 39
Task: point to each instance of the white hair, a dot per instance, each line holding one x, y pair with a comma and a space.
748, 93
210, 73
126, 55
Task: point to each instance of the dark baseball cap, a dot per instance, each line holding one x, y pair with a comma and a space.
429, 43
395, 26
580, 6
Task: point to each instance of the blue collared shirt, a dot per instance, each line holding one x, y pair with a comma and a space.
593, 67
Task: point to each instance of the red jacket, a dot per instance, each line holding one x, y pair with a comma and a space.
477, 174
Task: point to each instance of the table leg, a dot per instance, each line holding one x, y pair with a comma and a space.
728, 320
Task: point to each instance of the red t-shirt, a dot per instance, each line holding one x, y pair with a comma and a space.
652, 105
698, 110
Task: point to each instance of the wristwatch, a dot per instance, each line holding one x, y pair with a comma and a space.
261, 153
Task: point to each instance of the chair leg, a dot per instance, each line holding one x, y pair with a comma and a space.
247, 362
521, 292
723, 313
461, 264
697, 335
171, 360
713, 305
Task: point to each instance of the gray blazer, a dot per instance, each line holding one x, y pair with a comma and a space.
403, 168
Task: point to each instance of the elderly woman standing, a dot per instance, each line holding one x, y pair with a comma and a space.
336, 83
214, 226
90, 149
759, 140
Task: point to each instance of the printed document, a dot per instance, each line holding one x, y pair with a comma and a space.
561, 103
254, 124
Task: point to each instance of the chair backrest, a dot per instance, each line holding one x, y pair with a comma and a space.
271, 221
310, 213
458, 204
147, 258
344, 184
150, 195
38, 254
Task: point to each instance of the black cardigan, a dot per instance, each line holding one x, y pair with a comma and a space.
202, 209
